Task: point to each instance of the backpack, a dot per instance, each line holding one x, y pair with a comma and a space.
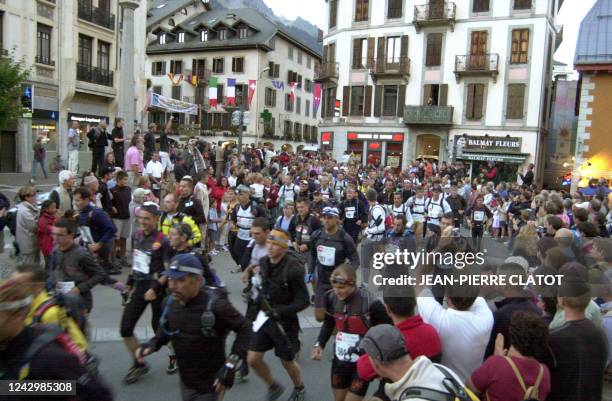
456, 391
72, 304
531, 393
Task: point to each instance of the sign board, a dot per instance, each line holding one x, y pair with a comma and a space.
84, 119
490, 144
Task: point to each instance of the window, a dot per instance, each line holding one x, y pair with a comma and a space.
158, 68
242, 91
273, 70
298, 105
333, 13
394, 45
308, 62
270, 126
220, 93
308, 85
300, 57
270, 97
297, 129
287, 127
290, 53
362, 10
162, 39
293, 76
520, 46
200, 95
475, 101
176, 92
389, 101
43, 50
360, 51
238, 64
434, 50
204, 35
171, 22
329, 100
307, 109
181, 37
435, 94
288, 103
480, 6
157, 90
357, 100
222, 34
243, 32
198, 67
522, 4
394, 9
85, 50
515, 101
184, 11
176, 66
103, 55
218, 67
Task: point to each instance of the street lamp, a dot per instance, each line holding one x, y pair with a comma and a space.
257, 105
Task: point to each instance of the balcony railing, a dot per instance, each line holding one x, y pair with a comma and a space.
96, 15
327, 71
430, 15
477, 64
428, 115
395, 68
44, 60
94, 75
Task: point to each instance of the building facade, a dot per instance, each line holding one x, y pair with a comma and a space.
72, 50
466, 80
191, 46
593, 60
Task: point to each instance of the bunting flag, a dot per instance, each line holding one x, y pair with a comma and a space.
212, 91
280, 85
194, 80
317, 98
231, 92
292, 94
252, 86
178, 80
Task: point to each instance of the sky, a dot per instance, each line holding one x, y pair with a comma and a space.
570, 16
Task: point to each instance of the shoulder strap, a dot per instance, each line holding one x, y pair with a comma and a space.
42, 309
423, 393
517, 373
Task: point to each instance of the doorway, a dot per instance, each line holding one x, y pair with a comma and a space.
428, 147
8, 152
478, 50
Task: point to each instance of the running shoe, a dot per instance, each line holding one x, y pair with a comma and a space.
225, 248
274, 392
172, 366
298, 394
135, 373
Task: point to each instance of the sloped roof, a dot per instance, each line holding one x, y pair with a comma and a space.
594, 44
157, 10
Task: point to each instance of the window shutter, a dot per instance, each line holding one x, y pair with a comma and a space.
426, 93
346, 97
401, 100
478, 100
371, 48
323, 107
356, 53
404, 46
276, 70
325, 53
289, 77
469, 104
378, 100
380, 52
443, 95
367, 107
515, 104
163, 68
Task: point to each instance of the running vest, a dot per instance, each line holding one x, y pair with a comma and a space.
351, 325
396, 211
244, 221
287, 194
339, 187
327, 193
418, 210
435, 210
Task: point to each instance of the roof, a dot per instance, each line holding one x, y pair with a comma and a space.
157, 10
263, 31
594, 44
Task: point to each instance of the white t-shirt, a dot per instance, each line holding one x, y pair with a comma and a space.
464, 334
154, 169
258, 253
258, 190
232, 181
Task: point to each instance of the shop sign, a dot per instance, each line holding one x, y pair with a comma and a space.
359, 136
83, 118
492, 144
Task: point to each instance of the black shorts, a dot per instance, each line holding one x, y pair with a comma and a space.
344, 376
269, 336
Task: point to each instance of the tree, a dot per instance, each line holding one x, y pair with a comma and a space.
13, 75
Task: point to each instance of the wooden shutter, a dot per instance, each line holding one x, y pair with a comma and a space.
163, 68
380, 52
276, 70
356, 53
378, 91
469, 104
325, 53
401, 100
404, 46
443, 95
289, 77
478, 100
434, 49
515, 103
346, 97
367, 107
331, 57
371, 48
426, 93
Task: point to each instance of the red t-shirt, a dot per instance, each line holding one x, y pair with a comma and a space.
496, 378
421, 339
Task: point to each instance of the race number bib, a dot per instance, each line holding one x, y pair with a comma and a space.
349, 212
64, 287
479, 215
244, 235
141, 262
344, 343
326, 255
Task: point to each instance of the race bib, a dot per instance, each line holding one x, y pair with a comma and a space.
244, 235
479, 215
141, 262
262, 318
326, 255
64, 287
344, 343
349, 212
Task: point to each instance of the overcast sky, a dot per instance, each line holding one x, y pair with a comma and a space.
570, 16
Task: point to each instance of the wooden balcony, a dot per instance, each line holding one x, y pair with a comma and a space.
430, 15
470, 65
327, 72
390, 69
428, 115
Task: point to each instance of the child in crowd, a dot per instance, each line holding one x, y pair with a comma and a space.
48, 216
257, 187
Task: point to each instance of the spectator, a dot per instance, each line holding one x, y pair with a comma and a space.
48, 216
118, 138
122, 196
155, 172
40, 154
26, 233
74, 144
133, 160
100, 138
62, 195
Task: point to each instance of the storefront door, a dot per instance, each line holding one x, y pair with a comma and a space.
374, 155
393, 157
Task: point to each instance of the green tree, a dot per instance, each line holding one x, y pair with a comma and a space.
13, 75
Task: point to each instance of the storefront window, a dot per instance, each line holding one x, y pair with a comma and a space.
374, 154
394, 155
48, 131
356, 149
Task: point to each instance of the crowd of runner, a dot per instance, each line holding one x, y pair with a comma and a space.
301, 229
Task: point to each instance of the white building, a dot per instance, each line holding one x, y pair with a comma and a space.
72, 48
420, 78
194, 43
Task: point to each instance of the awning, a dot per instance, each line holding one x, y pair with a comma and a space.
494, 157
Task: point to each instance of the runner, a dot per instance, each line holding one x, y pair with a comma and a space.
242, 217
172, 216
354, 213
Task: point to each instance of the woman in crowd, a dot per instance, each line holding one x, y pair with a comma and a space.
26, 232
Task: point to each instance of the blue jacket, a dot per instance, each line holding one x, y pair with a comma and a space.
102, 228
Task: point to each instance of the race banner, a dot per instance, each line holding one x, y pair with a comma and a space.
173, 105
316, 98
252, 86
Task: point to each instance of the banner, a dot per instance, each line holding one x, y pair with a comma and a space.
252, 86
194, 80
212, 91
173, 105
178, 80
278, 84
292, 94
317, 98
231, 91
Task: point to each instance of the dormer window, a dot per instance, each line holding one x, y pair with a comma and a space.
162, 39
181, 37
222, 34
243, 32
204, 36
171, 22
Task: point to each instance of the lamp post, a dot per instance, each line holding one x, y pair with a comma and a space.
257, 106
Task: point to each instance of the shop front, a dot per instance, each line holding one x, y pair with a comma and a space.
376, 149
44, 125
86, 122
482, 153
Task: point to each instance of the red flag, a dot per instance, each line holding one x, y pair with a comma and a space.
252, 85
292, 94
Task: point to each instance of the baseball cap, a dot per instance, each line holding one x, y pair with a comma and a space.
384, 343
330, 211
182, 265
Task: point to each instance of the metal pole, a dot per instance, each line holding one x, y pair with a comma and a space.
241, 128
